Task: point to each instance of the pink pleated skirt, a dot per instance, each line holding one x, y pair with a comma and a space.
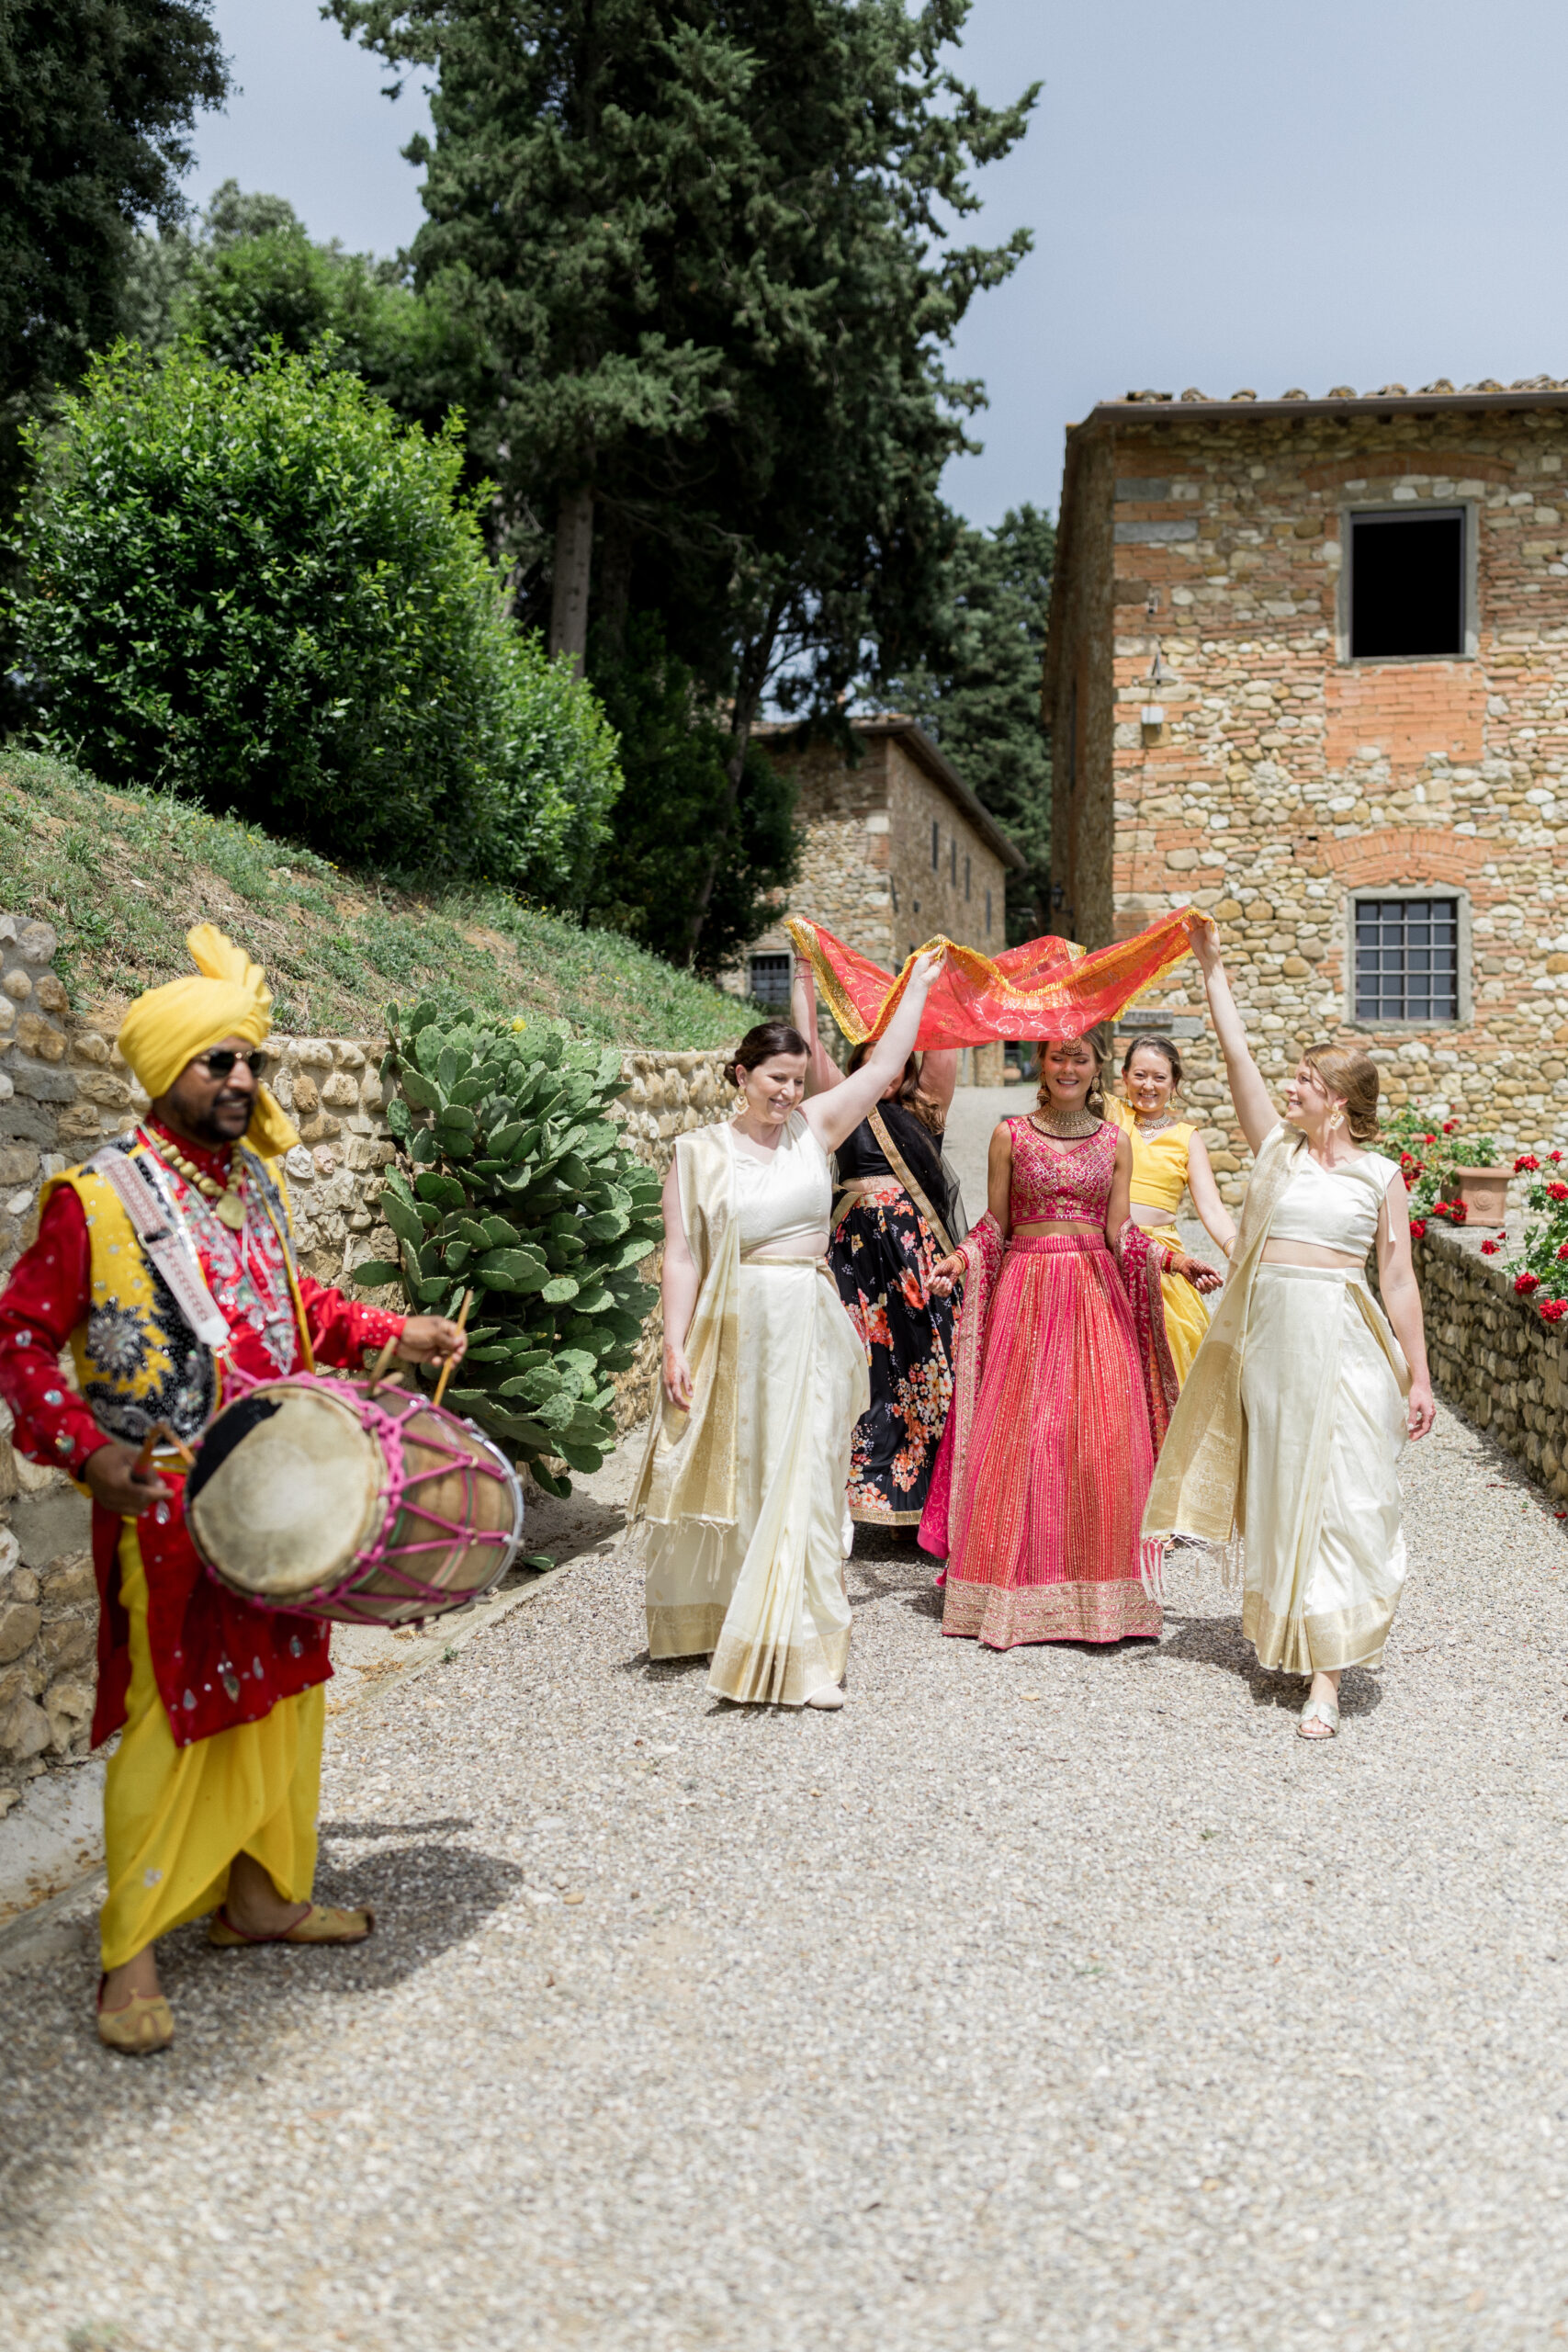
1044, 1534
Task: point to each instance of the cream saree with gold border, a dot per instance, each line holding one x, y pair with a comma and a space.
747, 1526
1284, 1448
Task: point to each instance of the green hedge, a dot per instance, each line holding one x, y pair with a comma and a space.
266, 592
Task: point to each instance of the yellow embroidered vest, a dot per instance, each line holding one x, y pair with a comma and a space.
137, 1361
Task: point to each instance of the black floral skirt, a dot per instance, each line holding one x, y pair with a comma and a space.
882, 1255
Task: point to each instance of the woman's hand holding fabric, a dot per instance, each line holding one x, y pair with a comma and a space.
1202, 1277
946, 1272
1423, 1410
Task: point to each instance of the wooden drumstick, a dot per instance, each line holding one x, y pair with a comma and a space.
446, 1367
378, 1369
143, 1462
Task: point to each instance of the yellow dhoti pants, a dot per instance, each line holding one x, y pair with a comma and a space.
175, 1818
1186, 1320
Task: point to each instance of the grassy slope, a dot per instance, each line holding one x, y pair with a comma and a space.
122, 878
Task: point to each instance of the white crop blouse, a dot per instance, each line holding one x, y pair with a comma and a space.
1335, 1207
784, 1202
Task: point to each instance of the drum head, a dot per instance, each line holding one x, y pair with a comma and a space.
286, 1489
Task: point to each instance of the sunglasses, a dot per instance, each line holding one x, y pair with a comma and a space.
219, 1063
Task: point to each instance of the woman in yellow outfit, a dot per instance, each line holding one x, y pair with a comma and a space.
1168, 1159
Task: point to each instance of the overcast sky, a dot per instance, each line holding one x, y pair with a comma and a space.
1223, 194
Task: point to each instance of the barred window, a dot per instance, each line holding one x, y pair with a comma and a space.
1407, 959
771, 979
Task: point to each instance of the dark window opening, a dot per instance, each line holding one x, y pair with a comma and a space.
771, 979
1407, 959
966, 877
1406, 584
952, 858
988, 915
936, 845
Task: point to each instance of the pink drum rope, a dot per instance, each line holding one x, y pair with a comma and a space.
385, 1557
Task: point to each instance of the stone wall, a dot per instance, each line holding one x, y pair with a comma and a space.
63, 1089
1492, 1356
867, 873
1258, 773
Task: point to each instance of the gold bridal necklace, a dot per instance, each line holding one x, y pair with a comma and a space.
227, 1201
1065, 1123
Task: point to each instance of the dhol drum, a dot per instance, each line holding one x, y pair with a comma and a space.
359, 1503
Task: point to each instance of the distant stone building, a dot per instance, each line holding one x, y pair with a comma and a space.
1307, 668
897, 849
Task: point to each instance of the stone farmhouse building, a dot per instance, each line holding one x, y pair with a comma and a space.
898, 848
1307, 668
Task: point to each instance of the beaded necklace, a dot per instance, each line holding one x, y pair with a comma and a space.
228, 1200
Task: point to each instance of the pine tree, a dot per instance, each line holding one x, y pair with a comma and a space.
706, 248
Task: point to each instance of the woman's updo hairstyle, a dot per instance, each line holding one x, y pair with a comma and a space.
1352, 1075
1166, 1048
763, 1043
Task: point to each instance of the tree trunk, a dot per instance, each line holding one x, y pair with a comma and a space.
754, 669
574, 555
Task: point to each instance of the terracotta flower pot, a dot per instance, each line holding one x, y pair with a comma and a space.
1483, 1191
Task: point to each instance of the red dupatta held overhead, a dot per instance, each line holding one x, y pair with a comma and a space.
1046, 990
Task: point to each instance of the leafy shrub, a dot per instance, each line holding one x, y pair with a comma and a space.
264, 591
1429, 1152
516, 1182
1540, 1271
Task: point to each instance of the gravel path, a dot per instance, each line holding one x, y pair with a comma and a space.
1061, 1999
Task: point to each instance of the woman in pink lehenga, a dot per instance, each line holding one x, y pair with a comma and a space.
1063, 1384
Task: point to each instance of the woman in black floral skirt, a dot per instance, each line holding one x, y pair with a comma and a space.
896, 1213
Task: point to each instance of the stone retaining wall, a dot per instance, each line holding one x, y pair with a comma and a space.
65, 1089
1490, 1354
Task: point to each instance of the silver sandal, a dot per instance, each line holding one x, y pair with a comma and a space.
1319, 1711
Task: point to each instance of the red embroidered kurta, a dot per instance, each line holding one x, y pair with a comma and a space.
218, 1660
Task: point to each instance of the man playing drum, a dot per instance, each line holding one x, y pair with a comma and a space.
162, 1260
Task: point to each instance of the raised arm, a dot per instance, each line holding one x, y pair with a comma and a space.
938, 1078
833, 1116
1249, 1094
822, 1073
1402, 1302
1216, 1220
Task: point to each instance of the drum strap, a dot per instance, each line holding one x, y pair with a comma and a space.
160, 1232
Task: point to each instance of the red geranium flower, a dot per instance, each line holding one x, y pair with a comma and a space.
1526, 1160
1431, 1138
1417, 1228
1552, 1310
1558, 1191
1449, 1125
1562, 1250
1458, 1212
1525, 1284
1490, 1249
1555, 1155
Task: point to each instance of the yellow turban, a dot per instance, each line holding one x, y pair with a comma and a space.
227, 996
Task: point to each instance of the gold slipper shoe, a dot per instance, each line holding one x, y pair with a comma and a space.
146, 2023
324, 1923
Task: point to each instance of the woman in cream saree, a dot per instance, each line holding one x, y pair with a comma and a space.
1291, 1422
744, 1478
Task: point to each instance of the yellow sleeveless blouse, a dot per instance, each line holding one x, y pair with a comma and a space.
1159, 1162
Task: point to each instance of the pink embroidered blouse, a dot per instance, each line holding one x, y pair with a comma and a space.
1068, 1183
